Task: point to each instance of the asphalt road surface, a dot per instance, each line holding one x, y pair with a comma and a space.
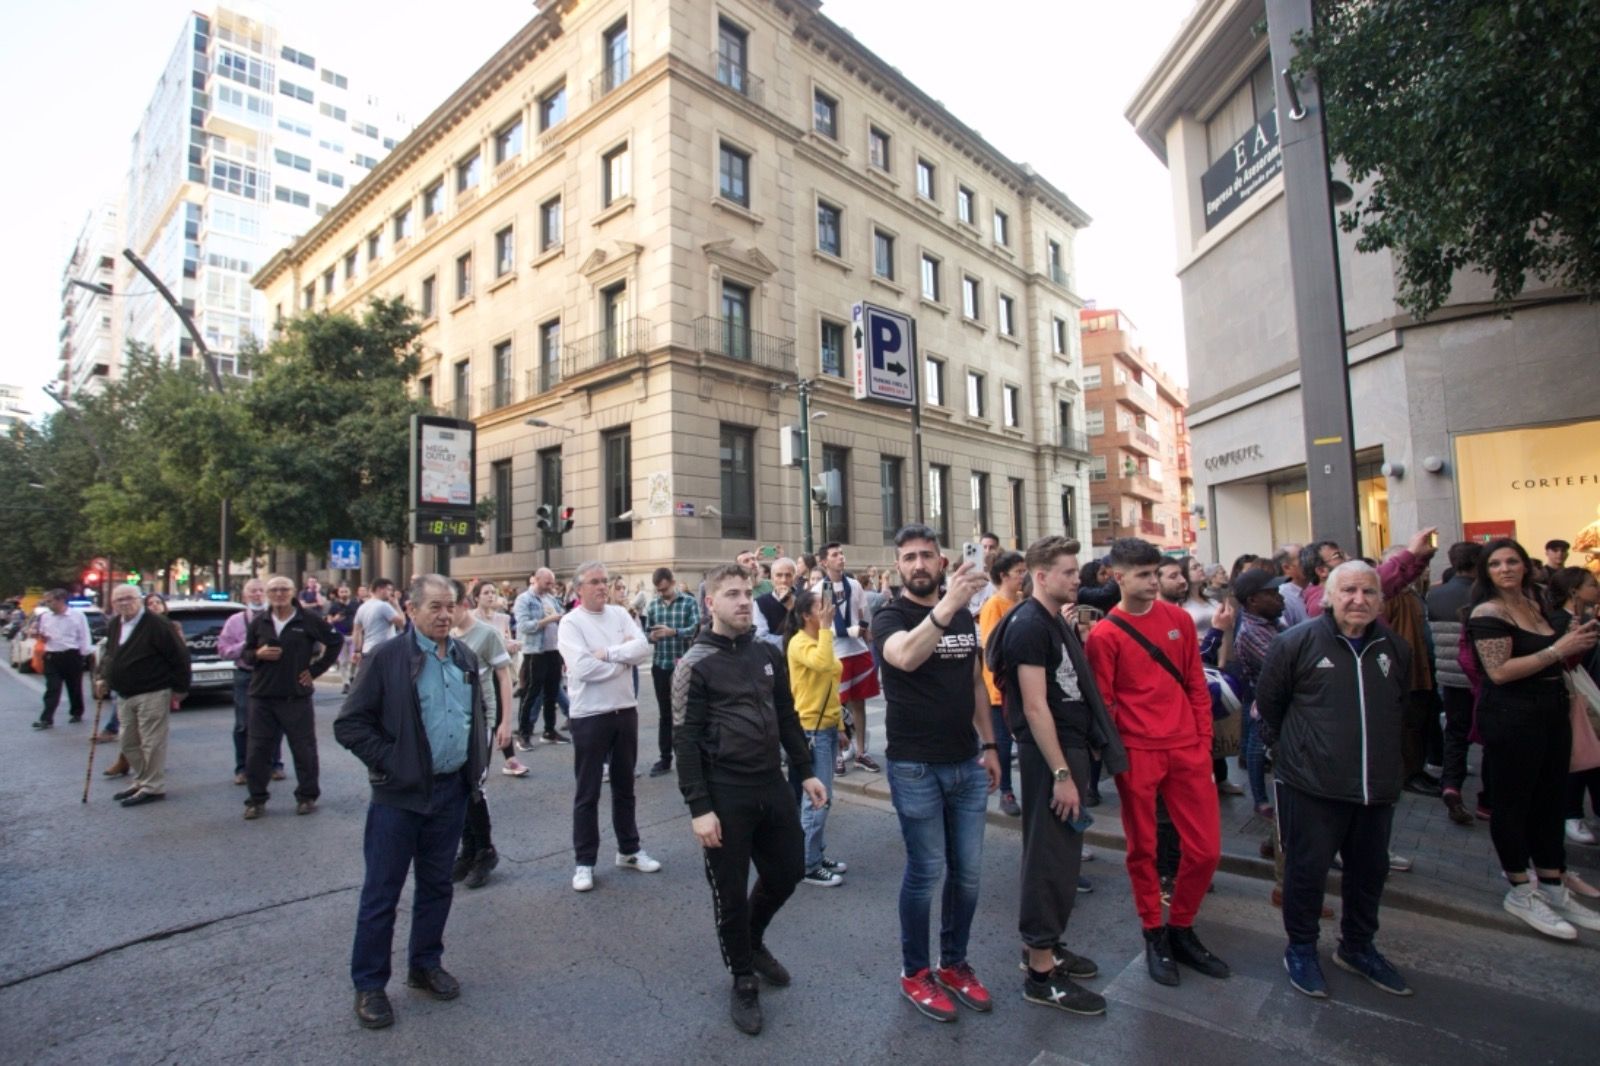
177, 932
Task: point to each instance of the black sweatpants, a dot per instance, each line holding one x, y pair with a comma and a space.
760, 825
662, 682
1457, 726
63, 669
270, 722
599, 740
1420, 705
1052, 853
541, 681
477, 835
1531, 749
1581, 783
1315, 829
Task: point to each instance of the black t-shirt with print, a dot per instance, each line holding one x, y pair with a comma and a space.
1034, 637
930, 709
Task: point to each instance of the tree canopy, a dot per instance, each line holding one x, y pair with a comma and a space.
1475, 121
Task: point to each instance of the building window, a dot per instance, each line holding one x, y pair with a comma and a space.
617, 450
550, 224
1002, 228
301, 58
882, 254
734, 175
617, 59
1019, 514
930, 278
468, 172
1100, 515
614, 314
464, 276
508, 141
461, 402
890, 473
737, 452
500, 480
925, 177
966, 204
832, 358
1058, 336
433, 199
374, 246
505, 252
933, 381
829, 237
1091, 378
308, 299
1008, 322
550, 487
971, 302
878, 148
1053, 263
1069, 511
327, 282
338, 114
733, 47
549, 354
425, 390
824, 114
501, 389
1094, 421
939, 501
1010, 401
614, 175
402, 224
975, 395
836, 476
351, 258
980, 502
428, 305
553, 107
735, 320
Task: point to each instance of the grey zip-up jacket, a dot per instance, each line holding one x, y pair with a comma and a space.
1335, 713
1444, 618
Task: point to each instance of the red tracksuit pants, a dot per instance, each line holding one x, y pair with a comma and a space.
1182, 777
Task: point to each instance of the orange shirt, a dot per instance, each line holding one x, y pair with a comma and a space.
994, 608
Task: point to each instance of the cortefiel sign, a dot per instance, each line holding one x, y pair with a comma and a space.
885, 344
1239, 175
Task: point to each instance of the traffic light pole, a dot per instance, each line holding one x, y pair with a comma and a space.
803, 389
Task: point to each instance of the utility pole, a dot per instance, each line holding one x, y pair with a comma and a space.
1314, 276
803, 389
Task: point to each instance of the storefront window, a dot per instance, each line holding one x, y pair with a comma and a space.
1536, 485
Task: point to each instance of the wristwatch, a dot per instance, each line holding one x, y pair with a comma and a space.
991, 746
1063, 774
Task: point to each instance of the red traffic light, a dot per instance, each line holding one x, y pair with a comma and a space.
566, 519
91, 577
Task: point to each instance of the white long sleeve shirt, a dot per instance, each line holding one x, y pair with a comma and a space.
597, 686
67, 631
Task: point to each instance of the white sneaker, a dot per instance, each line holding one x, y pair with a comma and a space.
638, 861
1578, 832
1088, 853
1526, 903
1564, 903
583, 879
1399, 863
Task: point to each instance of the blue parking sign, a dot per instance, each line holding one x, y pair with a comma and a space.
344, 555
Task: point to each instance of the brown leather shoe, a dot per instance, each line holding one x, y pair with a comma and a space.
305, 806
119, 768
252, 811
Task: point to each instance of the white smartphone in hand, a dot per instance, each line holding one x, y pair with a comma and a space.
972, 555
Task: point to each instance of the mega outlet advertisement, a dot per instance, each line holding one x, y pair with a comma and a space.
445, 462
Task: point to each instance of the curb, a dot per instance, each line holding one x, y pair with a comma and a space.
1406, 899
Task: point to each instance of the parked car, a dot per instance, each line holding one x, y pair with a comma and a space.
201, 622
22, 644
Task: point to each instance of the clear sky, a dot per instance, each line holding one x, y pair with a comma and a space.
1045, 81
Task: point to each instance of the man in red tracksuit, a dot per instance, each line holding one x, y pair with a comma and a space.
1146, 661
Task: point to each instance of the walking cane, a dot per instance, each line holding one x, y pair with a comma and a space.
88, 775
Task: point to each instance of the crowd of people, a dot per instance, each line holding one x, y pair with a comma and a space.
1335, 683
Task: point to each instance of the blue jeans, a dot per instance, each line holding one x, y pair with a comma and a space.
1255, 759
395, 840
941, 808
814, 821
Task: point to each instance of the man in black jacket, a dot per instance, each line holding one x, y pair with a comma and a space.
146, 663
287, 647
1446, 601
416, 719
731, 709
1332, 696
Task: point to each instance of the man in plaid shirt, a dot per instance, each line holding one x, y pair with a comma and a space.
670, 623
1260, 620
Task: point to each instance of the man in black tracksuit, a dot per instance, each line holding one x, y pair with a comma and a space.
1332, 697
731, 709
281, 648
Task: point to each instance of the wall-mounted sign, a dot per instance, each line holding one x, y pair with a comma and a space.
1240, 174
885, 350
1234, 457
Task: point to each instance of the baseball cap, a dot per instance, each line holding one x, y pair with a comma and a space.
1253, 581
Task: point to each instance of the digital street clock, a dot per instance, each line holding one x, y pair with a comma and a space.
444, 491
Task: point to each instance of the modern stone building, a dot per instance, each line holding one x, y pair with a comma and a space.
1475, 421
1141, 484
89, 320
638, 225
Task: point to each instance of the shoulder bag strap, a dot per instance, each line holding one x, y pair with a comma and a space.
1155, 652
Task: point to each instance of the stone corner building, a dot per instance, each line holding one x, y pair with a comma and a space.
636, 222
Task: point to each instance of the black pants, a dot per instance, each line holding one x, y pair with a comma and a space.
760, 825
477, 836
541, 681
1002, 740
1051, 852
662, 681
599, 740
1584, 781
1414, 731
1457, 725
272, 721
1314, 830
1531, 748
63, 668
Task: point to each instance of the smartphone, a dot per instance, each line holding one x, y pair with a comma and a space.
1082, 822
826, 598
972, 555
1433, 540
1089, 615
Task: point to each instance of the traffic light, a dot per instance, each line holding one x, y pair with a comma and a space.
566, 519
547, 518
91, 577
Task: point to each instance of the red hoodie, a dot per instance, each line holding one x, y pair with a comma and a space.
1150, 709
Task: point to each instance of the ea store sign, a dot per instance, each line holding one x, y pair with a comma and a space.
1243, 170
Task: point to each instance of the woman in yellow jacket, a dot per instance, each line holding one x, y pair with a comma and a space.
814, 672
1007, 573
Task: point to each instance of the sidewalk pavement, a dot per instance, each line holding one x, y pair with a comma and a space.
1455, 874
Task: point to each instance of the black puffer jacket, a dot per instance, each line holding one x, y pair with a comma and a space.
1335, 714
731, 710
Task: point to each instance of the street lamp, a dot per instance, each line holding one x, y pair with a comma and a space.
539, 423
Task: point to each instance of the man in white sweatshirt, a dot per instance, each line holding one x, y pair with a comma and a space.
601, 644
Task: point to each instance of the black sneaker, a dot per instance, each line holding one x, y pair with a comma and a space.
822, 877
1158, 957
770, 969
744, 1005
478, 875
1069, 964
1062, 993
556, 737
40, 723
373, 1010
661, 768
1187, 949
462, 867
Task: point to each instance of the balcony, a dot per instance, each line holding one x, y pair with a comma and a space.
543, 378
1141, 485
629, 337
617, 71
460, 407
1135, 439
1072, 440
1136, 396
1150, 528
731, 340
495, 396
737, 77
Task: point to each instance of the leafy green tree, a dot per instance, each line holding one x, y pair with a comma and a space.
44, 470
1478, 122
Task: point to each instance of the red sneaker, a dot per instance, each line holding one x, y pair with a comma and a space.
965, 986
928, 997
